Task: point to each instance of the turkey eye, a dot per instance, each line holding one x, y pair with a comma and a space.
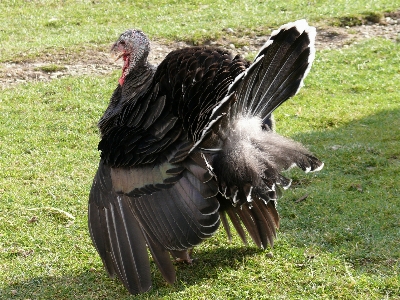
122, 42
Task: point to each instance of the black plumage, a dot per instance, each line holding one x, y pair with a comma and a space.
189, 144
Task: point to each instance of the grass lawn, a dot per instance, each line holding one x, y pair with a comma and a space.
341, 242
37, 26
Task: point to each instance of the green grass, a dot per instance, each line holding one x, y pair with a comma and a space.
33, 27
341, 242
50, 68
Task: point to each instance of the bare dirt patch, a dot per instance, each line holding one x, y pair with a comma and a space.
51, 66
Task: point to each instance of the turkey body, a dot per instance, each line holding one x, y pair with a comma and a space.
189, 144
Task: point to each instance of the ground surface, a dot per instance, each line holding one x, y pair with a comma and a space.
101, 62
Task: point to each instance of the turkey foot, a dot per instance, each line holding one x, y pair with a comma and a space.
183, 256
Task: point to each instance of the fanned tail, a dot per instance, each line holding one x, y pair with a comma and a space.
245, 155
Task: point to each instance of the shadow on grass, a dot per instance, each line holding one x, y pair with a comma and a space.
352, 213
95, 284
353, 204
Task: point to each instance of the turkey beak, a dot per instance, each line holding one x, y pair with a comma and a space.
115, 51
118, 56
114, 48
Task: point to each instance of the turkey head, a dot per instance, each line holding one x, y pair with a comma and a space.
134, 47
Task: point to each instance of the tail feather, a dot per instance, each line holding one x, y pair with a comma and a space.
260, 218
225, 223
259, 205
277, 72
266, 234
238, 226
246, 217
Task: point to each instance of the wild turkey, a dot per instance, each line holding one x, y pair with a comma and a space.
188, 144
